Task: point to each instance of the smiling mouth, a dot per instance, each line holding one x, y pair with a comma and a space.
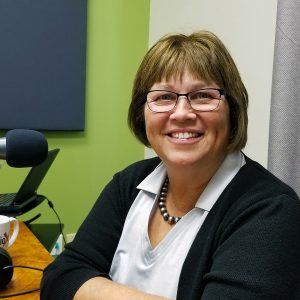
185, 135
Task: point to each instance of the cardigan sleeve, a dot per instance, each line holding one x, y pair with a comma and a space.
258, 253
91, 252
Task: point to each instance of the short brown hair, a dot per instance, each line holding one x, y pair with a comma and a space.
202, 54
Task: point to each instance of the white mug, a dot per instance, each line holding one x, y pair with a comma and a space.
5, 239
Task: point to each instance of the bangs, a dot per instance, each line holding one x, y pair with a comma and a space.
179, 59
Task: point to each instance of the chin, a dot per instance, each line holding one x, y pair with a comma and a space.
183, 159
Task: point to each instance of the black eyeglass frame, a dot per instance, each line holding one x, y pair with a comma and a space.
221, 91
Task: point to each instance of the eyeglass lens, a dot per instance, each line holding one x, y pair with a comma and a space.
202, 100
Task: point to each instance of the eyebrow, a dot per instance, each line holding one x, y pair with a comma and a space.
195, 86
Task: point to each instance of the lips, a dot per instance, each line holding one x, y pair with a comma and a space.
184, 135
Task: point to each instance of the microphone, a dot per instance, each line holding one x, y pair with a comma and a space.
23, 148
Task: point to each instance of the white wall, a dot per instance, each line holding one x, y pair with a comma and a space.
247, 28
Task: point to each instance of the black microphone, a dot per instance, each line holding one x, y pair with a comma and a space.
23, 148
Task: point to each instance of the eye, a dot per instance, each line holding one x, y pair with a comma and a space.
205, 95
166, 97
161, 97
161, 101
201, 95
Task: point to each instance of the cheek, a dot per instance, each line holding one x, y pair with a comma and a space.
224, 128
224, 118
154, 122
147, 121
220, 124
151, 125
225, 121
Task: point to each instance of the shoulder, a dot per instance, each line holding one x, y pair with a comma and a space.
256, 194
254, 180
253, 194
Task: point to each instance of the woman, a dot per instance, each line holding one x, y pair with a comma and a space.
201, 221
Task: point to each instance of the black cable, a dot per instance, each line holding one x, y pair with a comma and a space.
24, 292
23, 267
51, 205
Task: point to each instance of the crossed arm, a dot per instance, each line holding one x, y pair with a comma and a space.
104, 289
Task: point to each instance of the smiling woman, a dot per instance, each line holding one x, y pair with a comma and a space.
205, 58
193, 138
201, 220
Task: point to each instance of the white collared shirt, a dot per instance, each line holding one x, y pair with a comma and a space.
156, 270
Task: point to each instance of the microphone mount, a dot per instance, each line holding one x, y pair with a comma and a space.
2, 148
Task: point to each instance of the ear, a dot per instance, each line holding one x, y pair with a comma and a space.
5, 274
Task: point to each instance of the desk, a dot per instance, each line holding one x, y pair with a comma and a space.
27, 251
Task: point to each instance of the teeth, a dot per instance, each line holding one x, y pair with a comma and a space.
184, 135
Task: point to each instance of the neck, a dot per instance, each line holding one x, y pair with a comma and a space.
186, 184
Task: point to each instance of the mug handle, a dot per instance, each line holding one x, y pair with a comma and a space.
16, 230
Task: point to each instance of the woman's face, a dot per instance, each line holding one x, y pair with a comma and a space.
184, 136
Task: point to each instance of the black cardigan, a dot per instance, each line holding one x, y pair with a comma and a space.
247, 248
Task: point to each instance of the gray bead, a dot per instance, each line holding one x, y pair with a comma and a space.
171, 220
161, 204
166, 216
163, 210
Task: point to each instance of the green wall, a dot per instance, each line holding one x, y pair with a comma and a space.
117, 38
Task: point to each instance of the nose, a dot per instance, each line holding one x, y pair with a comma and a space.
183, 110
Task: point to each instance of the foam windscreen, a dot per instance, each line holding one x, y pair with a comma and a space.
25, 148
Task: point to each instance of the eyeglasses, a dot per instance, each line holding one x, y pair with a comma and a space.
201, 100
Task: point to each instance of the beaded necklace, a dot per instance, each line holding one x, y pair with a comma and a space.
162, 204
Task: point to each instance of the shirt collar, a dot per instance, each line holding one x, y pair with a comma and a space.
228, 169
153, 182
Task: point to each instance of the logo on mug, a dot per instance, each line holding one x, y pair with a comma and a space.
3, 239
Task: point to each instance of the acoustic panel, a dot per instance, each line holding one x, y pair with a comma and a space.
42, 64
